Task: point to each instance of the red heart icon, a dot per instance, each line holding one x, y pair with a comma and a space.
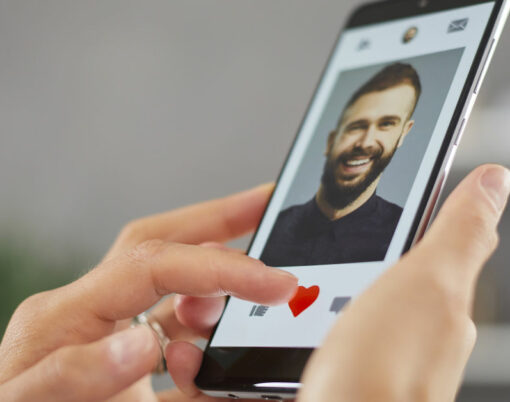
303, 299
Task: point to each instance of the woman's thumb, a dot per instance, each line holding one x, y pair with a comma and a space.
464, 233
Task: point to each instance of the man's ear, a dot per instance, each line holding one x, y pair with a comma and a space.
407, 128
331, 142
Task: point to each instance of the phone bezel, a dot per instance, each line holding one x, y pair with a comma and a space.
248, 376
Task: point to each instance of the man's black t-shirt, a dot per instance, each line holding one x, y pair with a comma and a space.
302, 235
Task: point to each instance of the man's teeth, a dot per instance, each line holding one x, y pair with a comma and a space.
358, 162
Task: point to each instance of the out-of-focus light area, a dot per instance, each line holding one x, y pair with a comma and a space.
115, 110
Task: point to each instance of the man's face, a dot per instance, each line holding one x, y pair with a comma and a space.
410, 35
369, 134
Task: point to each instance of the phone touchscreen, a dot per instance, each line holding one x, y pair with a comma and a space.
352, 185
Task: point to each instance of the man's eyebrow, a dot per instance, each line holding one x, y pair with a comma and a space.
397, 118
357, 123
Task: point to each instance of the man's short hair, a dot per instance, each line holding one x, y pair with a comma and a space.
391, 76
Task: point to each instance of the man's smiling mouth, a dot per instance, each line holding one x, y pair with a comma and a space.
357, 162
356, 166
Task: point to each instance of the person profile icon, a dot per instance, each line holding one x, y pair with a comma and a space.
410, 34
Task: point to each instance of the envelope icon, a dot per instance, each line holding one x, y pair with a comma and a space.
458, 25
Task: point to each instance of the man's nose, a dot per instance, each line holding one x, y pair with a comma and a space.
367, 139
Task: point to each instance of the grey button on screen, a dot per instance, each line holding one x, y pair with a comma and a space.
458, 25
338, 304
258, 311
364, 44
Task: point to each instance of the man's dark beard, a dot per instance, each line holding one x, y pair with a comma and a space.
339, 196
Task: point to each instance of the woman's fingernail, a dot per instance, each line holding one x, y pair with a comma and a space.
496, 182
126, 346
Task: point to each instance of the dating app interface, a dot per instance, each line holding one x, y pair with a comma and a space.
349, 192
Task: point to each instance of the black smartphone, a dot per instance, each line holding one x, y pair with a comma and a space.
360, 183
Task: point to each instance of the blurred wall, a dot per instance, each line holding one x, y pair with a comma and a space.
114, 110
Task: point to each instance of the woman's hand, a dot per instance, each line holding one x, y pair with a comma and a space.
73, 344
409, 336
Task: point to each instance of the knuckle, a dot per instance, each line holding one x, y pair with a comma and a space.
471, 333
459, 333
445, 290
34, 305
448, 299
146, 250
134, 232
493, 241
216, 272
62, 369
452, 314
454, 322
481, 233
451, 304
487, 241
229, 223
383, 388
421, 391
31, 317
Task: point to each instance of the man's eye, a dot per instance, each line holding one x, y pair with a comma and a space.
356, 128
387, 124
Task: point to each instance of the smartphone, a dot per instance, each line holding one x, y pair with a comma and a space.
360, 183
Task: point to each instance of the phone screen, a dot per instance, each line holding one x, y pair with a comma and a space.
352, 185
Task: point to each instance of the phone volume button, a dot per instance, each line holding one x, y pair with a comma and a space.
462, 127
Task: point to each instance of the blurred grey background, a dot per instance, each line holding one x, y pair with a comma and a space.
111, 110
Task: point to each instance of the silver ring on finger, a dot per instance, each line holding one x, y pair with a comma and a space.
150, 322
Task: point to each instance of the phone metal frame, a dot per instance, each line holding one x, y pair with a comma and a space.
257, 388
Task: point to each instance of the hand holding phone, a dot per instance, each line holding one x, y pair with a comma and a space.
410, 333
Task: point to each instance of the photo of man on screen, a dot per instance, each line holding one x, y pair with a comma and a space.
346, 221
